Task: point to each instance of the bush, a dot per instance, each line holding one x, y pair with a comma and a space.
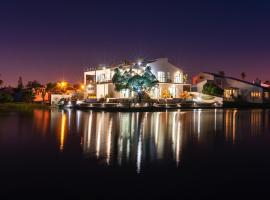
5, 97
212, 89
28, 96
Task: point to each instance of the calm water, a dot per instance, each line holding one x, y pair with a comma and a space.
193, 153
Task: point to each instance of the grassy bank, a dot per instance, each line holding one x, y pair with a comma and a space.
22, 106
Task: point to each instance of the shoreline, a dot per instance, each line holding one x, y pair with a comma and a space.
30, 106
21, 106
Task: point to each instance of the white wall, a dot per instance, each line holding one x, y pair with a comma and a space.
163, 65
55, 98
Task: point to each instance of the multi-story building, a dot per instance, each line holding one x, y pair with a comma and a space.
172, 81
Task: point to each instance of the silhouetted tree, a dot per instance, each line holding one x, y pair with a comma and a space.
20, 83
243, 75
33, 84
1, 81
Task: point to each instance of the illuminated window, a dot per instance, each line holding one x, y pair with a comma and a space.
231, 93
169, 77
177, 77
266, 95
101, 78
161, 76
255, 94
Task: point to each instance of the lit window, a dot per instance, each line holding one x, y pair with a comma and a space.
266, 95
177, 77
161, 76
255, 94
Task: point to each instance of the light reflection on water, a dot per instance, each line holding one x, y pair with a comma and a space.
141, 138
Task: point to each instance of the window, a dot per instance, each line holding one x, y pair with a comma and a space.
101, 78
255, 94
161, 76
266, 95
168, 77
231, 93
177, 77
90, 78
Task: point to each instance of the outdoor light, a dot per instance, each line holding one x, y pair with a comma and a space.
82, 87
63, 84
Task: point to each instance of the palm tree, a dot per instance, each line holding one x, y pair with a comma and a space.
1, 81
243, 75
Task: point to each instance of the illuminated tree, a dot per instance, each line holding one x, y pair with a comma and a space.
118, 80
166, 94
135, 82
185, 78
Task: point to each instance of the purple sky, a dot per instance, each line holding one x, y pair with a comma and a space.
50, 41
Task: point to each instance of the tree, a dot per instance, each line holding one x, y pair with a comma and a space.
243, 75
139, 83
49, 89
28, 96
20, 83
5, 97
33, 84
1, 81
212, 89
118, 80
185, 78
166, 94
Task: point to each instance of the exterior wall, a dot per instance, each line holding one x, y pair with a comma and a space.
201, 77
174, 90
200, 86
245, 89
55, 98
162, 65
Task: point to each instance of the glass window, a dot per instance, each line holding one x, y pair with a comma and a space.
266, 95
255, 94
161, 76
178, 77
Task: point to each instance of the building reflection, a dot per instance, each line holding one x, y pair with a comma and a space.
139, 138
62, 131
134, 137
230, 125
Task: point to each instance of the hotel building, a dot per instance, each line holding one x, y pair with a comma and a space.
172, 81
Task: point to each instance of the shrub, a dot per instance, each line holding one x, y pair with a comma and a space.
5, 97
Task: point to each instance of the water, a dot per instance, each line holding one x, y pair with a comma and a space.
188, 154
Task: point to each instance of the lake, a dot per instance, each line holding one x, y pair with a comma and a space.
200, 153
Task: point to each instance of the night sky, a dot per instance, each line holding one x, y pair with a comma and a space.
50, 41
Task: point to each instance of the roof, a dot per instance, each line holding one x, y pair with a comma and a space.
236, 79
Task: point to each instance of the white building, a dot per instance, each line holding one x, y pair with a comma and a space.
98, 80
234, 89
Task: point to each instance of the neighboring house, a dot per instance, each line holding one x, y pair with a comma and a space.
38, 94
98, 81
234, 89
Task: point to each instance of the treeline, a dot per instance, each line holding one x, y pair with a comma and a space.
27, 93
